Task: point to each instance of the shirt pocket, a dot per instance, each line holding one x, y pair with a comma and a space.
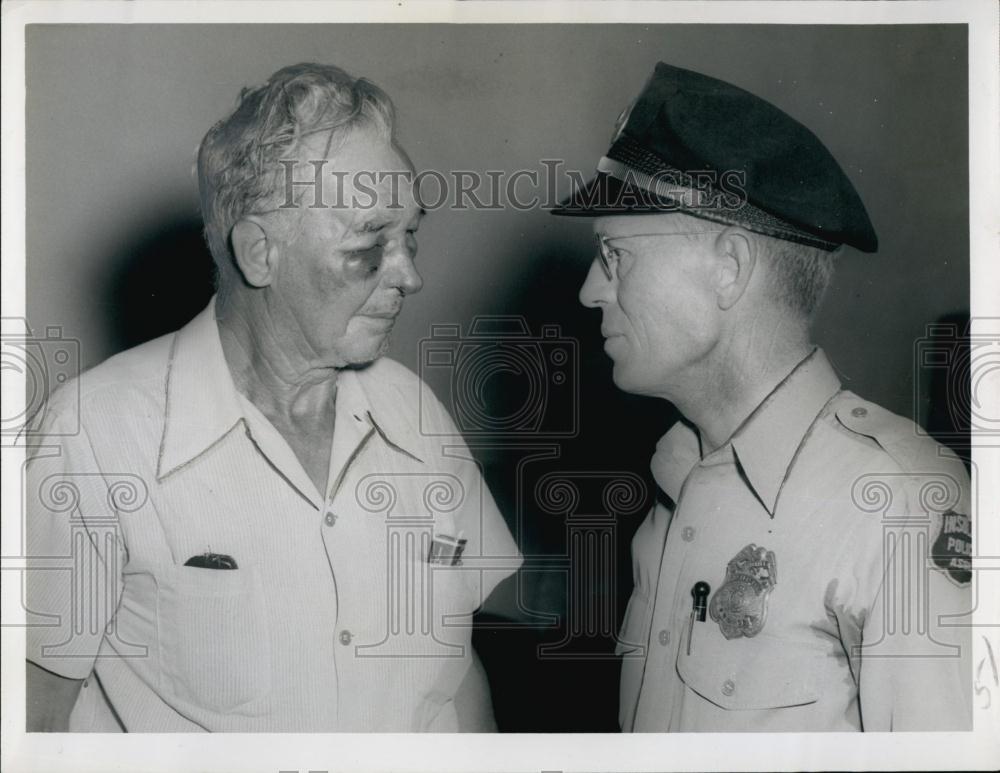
634, 633
452, 599
760, 672
213, 639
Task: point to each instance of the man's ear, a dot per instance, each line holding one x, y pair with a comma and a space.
736, 255
255, 252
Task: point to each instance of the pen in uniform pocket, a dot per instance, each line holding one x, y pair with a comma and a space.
699, 592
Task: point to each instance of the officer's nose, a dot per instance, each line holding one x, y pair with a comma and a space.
596, 289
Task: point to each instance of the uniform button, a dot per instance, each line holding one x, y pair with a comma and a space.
688, 534
859, 413
728, 687
664, 637
330, 519
345, 637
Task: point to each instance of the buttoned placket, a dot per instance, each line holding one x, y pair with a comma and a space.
665, 652
351, 436
671, 608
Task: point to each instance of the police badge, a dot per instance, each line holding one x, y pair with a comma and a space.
740, 605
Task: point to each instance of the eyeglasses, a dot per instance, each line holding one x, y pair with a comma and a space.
609, 258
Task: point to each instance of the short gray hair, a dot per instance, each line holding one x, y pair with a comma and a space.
238, 160
801, 274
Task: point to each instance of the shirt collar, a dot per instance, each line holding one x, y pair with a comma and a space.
201, 399
203, 405
765, 444
676, 454
367, 407
386, 407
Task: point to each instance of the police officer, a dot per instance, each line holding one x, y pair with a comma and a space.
807, 565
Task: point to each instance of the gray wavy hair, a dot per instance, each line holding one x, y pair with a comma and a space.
238, 160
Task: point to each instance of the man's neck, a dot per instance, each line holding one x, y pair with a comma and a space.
744, 374
274, 374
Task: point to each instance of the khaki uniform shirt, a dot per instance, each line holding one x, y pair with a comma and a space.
835, 540
332, 620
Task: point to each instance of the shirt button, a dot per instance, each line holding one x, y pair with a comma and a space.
345, 637
330, 519
859, 413
728, 687
688, 534
664, 637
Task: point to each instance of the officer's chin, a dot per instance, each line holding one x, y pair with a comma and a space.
621, 377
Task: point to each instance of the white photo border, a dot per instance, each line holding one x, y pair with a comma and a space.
539, 752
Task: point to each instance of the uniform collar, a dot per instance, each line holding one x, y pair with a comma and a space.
765, 444
203, 406
676, 454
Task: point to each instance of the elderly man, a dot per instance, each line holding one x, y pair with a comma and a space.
806, 567
248, 532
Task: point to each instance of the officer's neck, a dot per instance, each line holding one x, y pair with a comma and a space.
740, 376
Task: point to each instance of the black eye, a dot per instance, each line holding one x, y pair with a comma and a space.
367, 259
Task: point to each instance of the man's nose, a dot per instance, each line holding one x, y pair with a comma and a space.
596, 286
404, 275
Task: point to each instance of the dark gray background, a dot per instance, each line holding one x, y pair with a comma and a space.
115, 114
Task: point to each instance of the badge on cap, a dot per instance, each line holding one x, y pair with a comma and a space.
622, 120
952, 550
740, 605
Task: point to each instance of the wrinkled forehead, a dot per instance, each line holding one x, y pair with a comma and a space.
361, 173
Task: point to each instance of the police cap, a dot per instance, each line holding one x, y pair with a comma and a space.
698, 145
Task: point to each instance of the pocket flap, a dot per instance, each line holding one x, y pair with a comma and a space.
748, 673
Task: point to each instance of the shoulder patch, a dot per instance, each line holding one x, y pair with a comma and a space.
952, 550
921, 457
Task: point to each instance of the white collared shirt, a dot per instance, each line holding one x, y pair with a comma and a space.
333, 620
852, 505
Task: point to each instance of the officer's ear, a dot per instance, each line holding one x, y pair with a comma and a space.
736, 259
255, 250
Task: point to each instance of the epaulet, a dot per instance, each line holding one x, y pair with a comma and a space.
903, 440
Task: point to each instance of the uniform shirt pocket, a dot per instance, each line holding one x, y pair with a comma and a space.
761, 672
213, 638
